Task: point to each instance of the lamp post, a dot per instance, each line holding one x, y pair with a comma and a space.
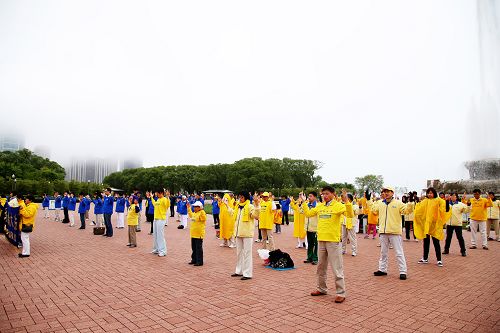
14, 184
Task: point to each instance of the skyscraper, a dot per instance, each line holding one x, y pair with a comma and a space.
94, 170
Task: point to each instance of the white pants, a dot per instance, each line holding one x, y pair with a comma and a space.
71, 214
25, 238
351, 233
355, 223
56, 214
98, 220
397, 242
159, 242
46, 215
244, 263
121, 220
474, 224
184, 221
138, 227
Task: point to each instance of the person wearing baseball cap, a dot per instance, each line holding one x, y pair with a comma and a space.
266, 220
197, 232
389, 213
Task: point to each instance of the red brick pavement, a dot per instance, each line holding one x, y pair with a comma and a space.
77, 282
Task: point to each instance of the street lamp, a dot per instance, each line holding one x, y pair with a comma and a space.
14, 184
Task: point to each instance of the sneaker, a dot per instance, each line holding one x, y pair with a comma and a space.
440, 264
473, 247
402, 276
423, 261
317, 293
464, 254
307, 261
354, 254
232, 246
314, 263
161, 254
154, 252
236, 275
485, 248
378, 245
379, 273
245, 278
415, 240
391, 247
258, 241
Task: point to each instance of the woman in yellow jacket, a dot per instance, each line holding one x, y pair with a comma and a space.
199, 219
454, 223
27, 211
133, 212
226, 221
299, 219
372, 219
430, 217
243, 216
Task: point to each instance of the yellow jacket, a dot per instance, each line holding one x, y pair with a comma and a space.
430, 216
478, 208
28, 214
161, 207
362, 202
494, 210
348, 217
298, 220
226, 220
410, 211
329, 219
266, 217
132, 215
372, 217
454, 216
389, 216
310, 222
199, 220
243, 216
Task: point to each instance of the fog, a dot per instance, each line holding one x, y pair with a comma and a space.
366, 87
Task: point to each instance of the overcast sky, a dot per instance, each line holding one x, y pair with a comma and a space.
366, 87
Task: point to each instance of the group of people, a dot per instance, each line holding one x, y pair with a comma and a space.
323, 223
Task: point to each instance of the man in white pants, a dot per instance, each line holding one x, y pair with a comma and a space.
161, 204
389, 213
478, 216
27, 211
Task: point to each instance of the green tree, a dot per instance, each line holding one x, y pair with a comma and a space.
371, 183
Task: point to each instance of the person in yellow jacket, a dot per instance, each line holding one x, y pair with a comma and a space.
454, 224
298, 224
278, 219
348, 231
478, 216
430, 217
372, 218
27, 211
199, 220
226, 221
329, 214
266, 219
493, 217
243, 216
133, 212
389, 212
161, 204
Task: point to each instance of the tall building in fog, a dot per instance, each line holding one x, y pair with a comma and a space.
11, 142
131, 164
90, 170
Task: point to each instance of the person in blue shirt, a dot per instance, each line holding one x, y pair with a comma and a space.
65, 202
107, 210
120, 211
150, 210
97, 210
215, 213
285, 207
182, 210
57, 206
71, 209
45, 205
82, 209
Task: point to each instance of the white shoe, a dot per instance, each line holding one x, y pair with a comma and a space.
161, 254
222, 245
391, 247
354, 254
423, 261
232, 246
440, 263
154, 252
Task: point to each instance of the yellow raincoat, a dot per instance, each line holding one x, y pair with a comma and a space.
430, 217
266, 217
299, 219
226, 220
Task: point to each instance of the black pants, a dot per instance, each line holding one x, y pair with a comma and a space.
216, 221
312, 248
360, 219
197, 248
172, 211
449, 236
82, 220
284, 219
66, 215
408, 226
260, 234
427, 246
402, 221
108, 225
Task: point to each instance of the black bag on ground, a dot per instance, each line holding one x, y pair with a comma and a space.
279, 259
99, 230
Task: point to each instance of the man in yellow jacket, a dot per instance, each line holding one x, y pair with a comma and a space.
478, 215
27, 211
266, 220
389, 213
493, 217
329, 214
161, 204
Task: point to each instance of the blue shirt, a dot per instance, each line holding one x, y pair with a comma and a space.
87, 203
58, 202
285, 205
45, 202
97, 206
82, 208
215, 207
107, 207
120, 205
72, 204
182, 209
151, 207
65, 202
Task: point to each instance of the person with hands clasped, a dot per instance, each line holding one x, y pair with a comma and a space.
161, 204
197, 232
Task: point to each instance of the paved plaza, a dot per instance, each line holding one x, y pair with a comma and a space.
77, 282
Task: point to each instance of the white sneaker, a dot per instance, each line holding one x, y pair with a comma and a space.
154, 252
423, 261
232, 246
354, 254
440, 263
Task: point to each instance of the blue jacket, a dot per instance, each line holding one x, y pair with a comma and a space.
87, 203
97, 206
151, 207
215, 207
45, 202
82, 208
107, 207
285, 205
72, 204
58, 202
65, 202
120, 205
182, 209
